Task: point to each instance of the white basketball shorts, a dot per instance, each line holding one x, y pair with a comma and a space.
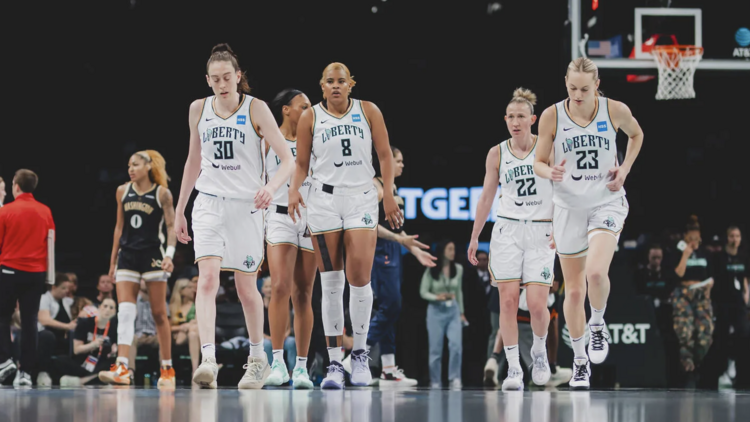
228, 229
331, 209
574, 228
281, 230
520, 251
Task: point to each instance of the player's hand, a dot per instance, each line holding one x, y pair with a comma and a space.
180, 228
263, 198
295, 201
112, 271
167, 264
393, 214
410, 241
425, 258
558, 172
471, 254
617, 175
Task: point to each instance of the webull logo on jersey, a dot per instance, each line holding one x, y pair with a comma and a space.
229, 167
586, 141
341, 130
224, 133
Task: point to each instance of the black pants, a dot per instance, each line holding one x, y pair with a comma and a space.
729, 346
27, 289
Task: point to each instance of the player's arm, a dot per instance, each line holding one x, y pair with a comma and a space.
167, 205
191, 171
118, 231
623, 118
547, 127
746, 296
302, 169
484, 206
263, 117
382, 146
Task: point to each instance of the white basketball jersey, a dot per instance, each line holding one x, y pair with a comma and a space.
281, 197
342, 147
231, 152
525, 196
590, 152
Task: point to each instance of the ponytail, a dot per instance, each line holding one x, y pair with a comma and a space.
158, 173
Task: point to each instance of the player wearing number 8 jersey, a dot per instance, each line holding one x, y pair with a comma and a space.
342, 209
589, 200
521, 253
225, 164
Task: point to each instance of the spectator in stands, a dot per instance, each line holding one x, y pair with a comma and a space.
184, 324
441, 287
290, 346
693, 317
73, 285
83, 307
55, 325
93, 347
145, 326
105, 288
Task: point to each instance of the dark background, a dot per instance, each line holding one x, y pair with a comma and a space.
89, 83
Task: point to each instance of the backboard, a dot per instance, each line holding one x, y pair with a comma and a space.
619, 34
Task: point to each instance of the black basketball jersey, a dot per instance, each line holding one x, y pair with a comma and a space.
381, 211
144, 219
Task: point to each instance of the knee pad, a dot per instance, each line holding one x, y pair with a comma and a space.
126, 323
332, 284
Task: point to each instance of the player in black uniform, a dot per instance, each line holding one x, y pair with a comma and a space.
144, 208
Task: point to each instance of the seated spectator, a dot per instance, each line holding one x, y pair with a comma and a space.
74, 285
290, 346
105, 288
94, 347
83, 307
55, 323
182, 310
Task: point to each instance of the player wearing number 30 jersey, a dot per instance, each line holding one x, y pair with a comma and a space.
521, 254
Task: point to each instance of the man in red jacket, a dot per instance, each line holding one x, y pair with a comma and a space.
25, 227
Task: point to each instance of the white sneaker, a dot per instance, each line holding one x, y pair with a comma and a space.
301, 380
43, 380
335, 378
22, 379
395, 378
207, 373
279, 374
598, 343
490, 372
561, 376
7, 369
456, 384
256, 373
347, 364
70, 381
540, 373
581, 374
514, 381
361, 375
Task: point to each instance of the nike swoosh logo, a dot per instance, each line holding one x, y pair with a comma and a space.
253, 212
367, 192
338, 164
323, 121
511, 348
567, 128
508, 162
208, 120
333, 293
361, 300
576, 178
215, 165
547, 234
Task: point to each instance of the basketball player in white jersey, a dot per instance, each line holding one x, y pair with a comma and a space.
144, 206
291, 257
342, 209
590, 204
225, 164
521, 250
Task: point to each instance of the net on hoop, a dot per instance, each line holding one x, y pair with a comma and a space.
677, 65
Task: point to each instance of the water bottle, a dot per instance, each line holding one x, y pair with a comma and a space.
147, 381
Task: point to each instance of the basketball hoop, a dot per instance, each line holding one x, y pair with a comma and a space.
677, 65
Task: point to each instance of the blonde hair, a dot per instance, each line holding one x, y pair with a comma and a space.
584, 65
158, 173
524, 96
338, 66
175, 302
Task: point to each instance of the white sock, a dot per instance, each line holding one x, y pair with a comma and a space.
335, 354
579, 348
514, 360
597, 316
540, 344
301, 363
123, 361
208, 350
166, 362
388, 361
278, 355
360, 308
256, 350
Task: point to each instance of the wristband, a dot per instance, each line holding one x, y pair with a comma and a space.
170, 252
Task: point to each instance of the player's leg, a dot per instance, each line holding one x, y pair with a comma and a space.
157, 294
281, 259
538, 275
302, 289
127, 283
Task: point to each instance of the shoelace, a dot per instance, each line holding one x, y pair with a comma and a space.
255, 369
581, 372
598, 338
362, 358
514, 373
332, 369
539, 363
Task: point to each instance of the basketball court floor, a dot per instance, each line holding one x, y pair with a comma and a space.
364, 405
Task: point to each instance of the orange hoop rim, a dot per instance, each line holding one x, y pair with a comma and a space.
683, 50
